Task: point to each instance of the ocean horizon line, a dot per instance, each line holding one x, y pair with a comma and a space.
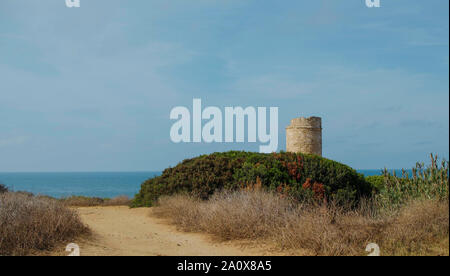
55, 172
153, 171
95, 184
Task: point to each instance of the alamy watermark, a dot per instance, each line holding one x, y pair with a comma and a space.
73, 3
369, 3
373, 3
212, 130
74, 249
373, 249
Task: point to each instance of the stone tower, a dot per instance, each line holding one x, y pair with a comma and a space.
305, 135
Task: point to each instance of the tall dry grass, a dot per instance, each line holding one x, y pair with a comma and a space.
31, 224
420, 227
228, 215
83, 201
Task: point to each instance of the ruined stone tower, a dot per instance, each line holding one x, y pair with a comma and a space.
305, 135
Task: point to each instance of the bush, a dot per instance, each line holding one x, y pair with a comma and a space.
3, 188
377, 181
84, 201
118, 201
426, 182
297, 175
31, 224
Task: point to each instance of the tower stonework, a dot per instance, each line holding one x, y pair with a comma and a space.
304, 135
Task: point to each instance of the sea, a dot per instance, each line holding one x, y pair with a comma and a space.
65, 184
92, 184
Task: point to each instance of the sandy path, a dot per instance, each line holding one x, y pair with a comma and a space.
122, 231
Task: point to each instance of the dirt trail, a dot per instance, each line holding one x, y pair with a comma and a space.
120, 231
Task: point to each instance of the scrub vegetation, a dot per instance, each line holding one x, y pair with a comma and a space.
404, 215
31, 225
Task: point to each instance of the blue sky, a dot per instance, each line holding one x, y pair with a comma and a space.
91, 89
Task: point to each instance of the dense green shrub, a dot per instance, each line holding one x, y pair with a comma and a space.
426, 182
377, 181
298, 175
3, 188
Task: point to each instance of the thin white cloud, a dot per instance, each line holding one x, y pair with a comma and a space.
13, 141
272, 85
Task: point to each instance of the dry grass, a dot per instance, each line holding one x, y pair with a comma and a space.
244, 215
31, 224
423, 226
82, 201
118, 201
419, 228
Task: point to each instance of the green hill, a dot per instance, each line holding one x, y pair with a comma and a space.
298, 175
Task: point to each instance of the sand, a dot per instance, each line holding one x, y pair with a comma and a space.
121, 231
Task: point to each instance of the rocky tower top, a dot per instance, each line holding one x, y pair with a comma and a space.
305, 135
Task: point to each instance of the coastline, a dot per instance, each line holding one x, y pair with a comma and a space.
103, 185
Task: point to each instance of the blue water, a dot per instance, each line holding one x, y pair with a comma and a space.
380, 172
96, 184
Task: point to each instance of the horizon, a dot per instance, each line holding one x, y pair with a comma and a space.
95, 184
91, 89
159, 171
